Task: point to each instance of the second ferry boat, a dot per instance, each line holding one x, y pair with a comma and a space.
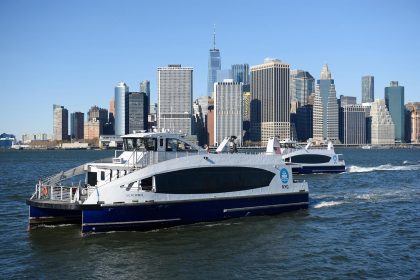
162, 180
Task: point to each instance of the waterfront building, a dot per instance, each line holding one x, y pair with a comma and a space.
240, 73
368, 89
121, 109
110, 125
382, 126
394, 100
270, 104
413, 109
77, 120
145, 87
354, 125
200, 120
304, 122
28, 138
302, 84
325, 110
138, 106
246, 112
210, 122
343, 101
61, 123
214, 65
152, 117
92, 129
175, 91
347, 100
228, 110
100, 114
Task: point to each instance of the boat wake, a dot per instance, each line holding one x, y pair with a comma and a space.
407, 166
328, 204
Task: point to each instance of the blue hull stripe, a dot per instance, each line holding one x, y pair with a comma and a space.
263, 207
157, 215
318, 169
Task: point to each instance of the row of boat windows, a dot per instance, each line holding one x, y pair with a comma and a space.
208, 180
92, 177
198, 180
150, 144
308, 159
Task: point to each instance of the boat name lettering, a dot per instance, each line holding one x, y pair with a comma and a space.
134, 194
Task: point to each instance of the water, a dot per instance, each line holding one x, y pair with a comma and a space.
364, 223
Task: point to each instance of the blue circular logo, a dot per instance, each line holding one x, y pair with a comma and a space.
335, 157
284, 175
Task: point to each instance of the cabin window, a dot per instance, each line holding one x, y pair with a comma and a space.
102, 175
147, 184
110, 174
176, 145
310, 159
161, 142
139, 144
211, 180
118, 174
92, 178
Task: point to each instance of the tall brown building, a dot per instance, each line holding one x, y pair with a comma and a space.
414, 113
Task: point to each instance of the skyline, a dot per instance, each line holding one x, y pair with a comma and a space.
74, 53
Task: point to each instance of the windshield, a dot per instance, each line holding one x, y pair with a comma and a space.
138, 144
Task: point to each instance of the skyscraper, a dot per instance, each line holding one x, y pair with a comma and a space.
270, 105
61, 123
77, 120
382, 126
145, 87
413, 109
394, 100
368, 89
302, 84
137, 111
240, 73
228, 110
213, 66
354, 127
121, 109
325, 108
100, 114
175, 91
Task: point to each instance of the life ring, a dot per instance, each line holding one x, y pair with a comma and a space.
44, 190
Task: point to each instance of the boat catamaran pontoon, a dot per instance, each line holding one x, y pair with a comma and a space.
162, 180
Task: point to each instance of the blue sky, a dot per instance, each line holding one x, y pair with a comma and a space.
73, 53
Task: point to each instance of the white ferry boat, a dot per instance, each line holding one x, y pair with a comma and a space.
308, 159
162, 180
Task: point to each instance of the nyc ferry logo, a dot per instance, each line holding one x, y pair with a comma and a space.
284, 176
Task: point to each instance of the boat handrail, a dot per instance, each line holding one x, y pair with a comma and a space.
63, 175
57, 193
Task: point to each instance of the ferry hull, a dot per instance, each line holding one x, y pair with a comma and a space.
148, 216
41, 213
318, 169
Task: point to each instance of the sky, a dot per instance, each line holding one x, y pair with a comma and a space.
73, 53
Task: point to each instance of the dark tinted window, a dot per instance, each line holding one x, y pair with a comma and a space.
212, 180
92, 178
310, 159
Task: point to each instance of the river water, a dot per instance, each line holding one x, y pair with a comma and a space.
361, 224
